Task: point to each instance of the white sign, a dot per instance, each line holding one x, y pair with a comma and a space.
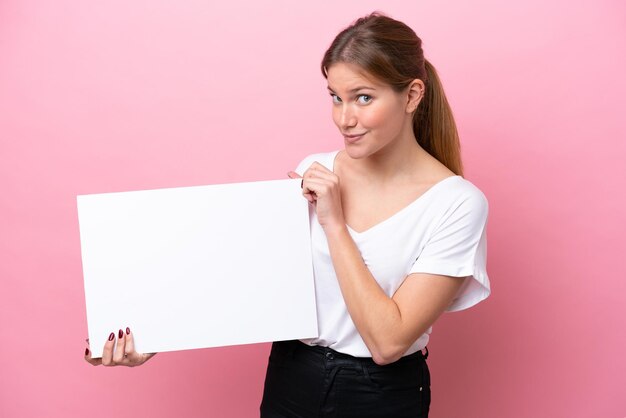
196, 267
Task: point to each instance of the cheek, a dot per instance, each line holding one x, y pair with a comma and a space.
386, 124
380, 117
336, 113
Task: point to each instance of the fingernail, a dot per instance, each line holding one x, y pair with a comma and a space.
120, 334
111, 336
302, 184
86, 351
127, 330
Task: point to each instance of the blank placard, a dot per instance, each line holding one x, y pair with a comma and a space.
196, 267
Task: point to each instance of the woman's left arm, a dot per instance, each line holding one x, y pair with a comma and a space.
388, 325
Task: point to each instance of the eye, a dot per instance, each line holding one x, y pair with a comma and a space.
336, 98
364, 99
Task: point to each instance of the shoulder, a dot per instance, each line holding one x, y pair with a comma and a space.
464, 199
324, 158
466, 191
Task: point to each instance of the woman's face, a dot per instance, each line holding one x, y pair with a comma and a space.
369, 114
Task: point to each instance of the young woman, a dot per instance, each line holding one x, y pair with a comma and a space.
398, 237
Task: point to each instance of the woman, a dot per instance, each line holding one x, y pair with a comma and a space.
398, 236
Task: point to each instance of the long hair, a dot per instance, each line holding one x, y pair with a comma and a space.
390, 51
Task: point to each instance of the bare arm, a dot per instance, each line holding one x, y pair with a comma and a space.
388, 325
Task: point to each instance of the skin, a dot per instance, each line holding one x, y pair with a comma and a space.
122, 355
373, 179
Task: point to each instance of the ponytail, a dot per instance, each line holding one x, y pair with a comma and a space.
434, 126
391, 51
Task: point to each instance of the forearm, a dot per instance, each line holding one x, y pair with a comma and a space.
376, 316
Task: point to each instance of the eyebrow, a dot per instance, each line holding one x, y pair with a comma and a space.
355, 89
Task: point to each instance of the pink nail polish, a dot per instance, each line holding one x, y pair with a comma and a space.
111, 336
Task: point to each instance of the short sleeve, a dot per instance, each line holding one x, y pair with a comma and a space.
326, 159
305, 164
458, 248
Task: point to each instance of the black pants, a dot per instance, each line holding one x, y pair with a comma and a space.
307, 382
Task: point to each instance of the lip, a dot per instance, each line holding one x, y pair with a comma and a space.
353, 138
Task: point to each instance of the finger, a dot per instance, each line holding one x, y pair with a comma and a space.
107, 351
293, 175
129, 349
318, 174
308, 193
92, 361
318, 171
315, 167
133, 358
320, 167
118, 356
316, 186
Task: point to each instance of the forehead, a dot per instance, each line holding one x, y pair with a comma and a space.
346, 76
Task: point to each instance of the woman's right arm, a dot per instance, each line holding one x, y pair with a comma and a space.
123, 355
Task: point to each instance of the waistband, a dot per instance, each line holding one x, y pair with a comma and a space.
330, 354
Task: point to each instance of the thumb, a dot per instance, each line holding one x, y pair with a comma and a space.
293, 175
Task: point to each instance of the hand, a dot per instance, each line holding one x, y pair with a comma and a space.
124, 355
320, 186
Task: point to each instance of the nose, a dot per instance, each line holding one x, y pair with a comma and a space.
347, 118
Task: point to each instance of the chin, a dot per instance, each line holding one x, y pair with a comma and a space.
358, 151
355, 152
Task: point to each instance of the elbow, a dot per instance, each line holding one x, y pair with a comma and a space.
386, 356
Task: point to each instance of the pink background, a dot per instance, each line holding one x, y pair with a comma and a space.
128, 95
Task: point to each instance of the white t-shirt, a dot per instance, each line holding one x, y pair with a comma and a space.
442, 232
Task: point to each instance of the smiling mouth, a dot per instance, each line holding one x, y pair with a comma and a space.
353, 138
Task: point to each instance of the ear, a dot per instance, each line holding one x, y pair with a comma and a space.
415, 93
